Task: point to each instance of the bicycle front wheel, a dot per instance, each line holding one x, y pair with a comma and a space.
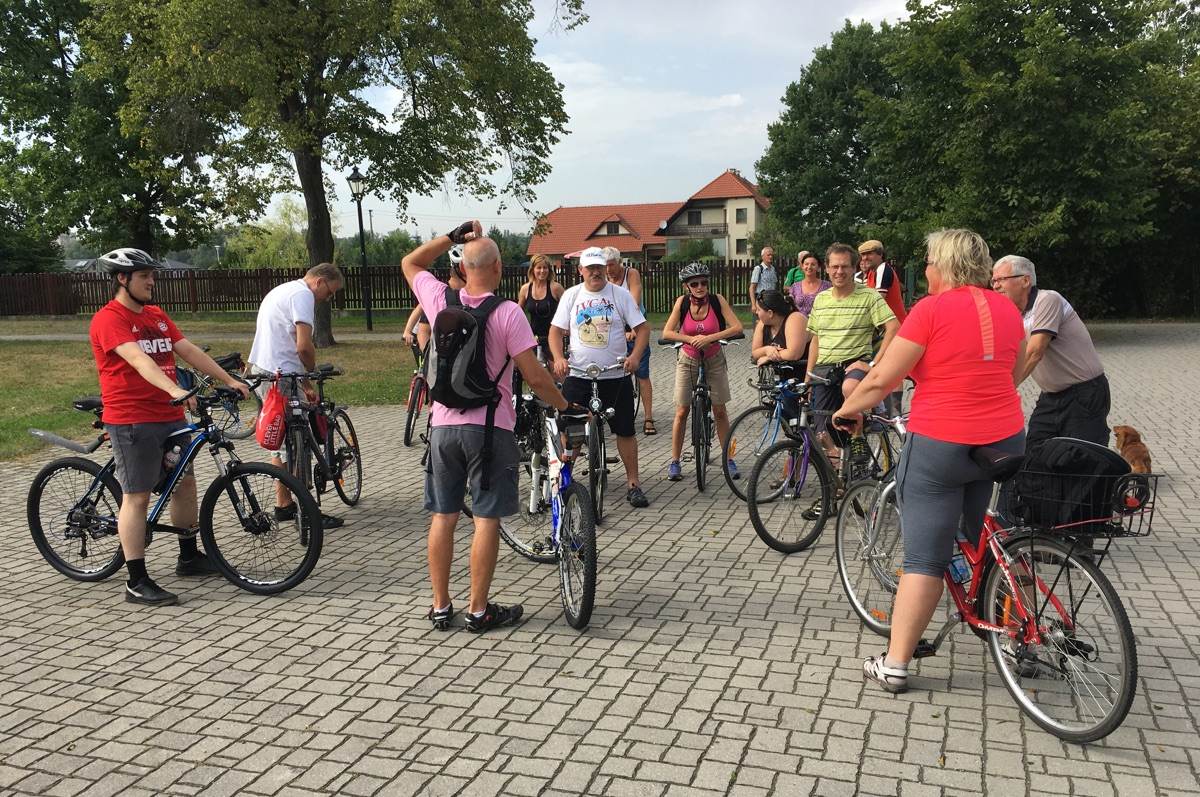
700, 442
870, 552
528, 532
347, 458
256, 546
790, 495
236, 419
597, 468
72, 511
416, 399
750, 434
1077, 679
577, 556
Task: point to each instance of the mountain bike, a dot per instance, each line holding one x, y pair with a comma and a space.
757, 428
701, 415
1055, 628
598, 460
556, 521
73, 504
320, 444
418, 392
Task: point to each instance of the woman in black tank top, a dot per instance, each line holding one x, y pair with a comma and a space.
781, 337
540, 308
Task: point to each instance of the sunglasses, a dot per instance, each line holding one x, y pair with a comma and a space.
698, 284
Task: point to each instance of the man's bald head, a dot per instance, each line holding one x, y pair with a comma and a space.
480, 253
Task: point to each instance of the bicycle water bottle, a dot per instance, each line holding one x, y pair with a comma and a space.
959, 570
171, 458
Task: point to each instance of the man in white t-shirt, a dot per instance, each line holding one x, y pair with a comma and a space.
283, 342
595, 313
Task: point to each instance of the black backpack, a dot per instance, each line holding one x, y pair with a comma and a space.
461, 380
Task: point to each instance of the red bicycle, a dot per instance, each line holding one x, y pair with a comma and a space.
418, 392
1055, 628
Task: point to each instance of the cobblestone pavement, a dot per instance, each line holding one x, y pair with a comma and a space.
713, 665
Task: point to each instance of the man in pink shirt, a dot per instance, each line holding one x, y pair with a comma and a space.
457, 441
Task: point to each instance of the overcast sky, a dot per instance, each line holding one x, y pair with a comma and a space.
663, 95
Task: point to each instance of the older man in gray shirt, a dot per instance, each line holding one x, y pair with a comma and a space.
1059, 355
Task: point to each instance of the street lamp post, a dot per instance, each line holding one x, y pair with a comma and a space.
358, 189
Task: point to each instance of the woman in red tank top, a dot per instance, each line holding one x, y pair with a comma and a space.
698, 320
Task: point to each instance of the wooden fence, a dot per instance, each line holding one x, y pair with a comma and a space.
200, 291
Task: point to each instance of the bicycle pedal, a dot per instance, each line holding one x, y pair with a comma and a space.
612, 460
924, 649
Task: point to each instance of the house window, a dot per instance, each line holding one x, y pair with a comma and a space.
612, 228
741, 246
693, 218
739, 216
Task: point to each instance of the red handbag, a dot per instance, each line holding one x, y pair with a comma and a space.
268, 429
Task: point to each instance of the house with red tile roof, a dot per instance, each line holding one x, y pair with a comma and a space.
725, 211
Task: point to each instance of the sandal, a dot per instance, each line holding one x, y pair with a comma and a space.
648, 427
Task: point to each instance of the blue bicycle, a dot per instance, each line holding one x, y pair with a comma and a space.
73, 504
556, 520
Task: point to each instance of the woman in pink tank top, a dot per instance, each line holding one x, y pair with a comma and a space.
699, 320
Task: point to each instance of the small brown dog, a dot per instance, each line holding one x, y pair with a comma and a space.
1129, 443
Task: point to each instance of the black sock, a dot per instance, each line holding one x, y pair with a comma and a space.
188, 548
137, 570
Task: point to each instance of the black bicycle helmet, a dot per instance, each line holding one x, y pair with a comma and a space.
127, 260
693, 270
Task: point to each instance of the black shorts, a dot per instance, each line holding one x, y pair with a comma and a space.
614, 393
827, 399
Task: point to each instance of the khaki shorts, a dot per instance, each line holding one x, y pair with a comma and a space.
687, 371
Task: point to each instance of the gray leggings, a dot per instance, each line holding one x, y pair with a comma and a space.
939, 489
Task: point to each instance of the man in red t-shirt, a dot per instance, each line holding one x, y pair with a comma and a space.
135, 344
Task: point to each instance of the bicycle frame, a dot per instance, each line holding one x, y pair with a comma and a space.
298, 418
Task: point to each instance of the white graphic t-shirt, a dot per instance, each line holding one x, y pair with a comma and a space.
597, 322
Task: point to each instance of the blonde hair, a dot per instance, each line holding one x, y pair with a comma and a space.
962, 257
538, 260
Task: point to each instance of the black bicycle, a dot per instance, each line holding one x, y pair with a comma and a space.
418, 392
701, 414
320, 444
73, 505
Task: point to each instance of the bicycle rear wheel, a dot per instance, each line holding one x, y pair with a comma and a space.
416, 400
577, 556
700, 441
72, 511
528, 532
1078, 679
870, 553
597, 468
790, 495
750, 434
347, 458
250, 542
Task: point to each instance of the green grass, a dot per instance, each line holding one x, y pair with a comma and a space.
195, 325
39, 379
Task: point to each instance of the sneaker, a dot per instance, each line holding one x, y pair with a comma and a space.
892, 679
197, 566
732, 469
283, 513
637, 498
815, 511
674, 472
441, 617
494, 616
331, 522
149, 593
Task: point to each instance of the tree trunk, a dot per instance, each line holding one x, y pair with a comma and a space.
319, 237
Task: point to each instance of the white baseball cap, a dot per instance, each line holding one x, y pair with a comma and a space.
593, 256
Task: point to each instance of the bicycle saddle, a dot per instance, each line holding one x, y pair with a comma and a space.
87, 403
998, 465
231, 361
326, 368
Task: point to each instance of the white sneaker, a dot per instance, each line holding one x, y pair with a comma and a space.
892, 679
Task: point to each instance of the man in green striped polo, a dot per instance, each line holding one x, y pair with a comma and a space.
843, 323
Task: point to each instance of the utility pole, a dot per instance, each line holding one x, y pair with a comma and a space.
371, 221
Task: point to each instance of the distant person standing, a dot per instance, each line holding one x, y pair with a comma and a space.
1059, 355
540, 308
804, 291
763, 278
796, 272
877, 274
631, 280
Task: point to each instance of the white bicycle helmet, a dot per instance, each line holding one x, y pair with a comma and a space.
456, 255
693, 270
127, 260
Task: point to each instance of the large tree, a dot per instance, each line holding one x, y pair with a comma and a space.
815, 169
429, 94
66, 159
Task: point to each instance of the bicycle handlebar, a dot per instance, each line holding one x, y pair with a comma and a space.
323, 372
675, 344
593, 371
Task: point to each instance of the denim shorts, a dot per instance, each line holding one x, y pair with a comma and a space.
643, 369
